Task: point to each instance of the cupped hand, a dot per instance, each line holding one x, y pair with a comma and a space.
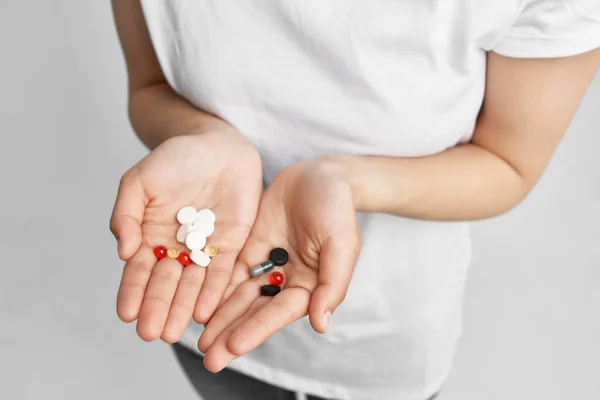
219, 170
308, 210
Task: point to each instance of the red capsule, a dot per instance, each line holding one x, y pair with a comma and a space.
160, 252
184, 258
276, 278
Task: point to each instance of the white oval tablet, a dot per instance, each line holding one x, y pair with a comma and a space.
205, 228
187, 215
195, 240
206, 216
199, 257
183, 231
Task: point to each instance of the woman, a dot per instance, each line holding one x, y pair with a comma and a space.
378, 126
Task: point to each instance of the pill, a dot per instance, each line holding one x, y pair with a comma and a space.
187, 215
173, 252
206, 228
199, 257
276, 278
206, 215
211, 250
262, 268
269, 290
279, 256
195, 240
160, 252
183, 231
184, 258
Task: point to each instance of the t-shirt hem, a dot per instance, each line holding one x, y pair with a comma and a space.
289, 381
520, 46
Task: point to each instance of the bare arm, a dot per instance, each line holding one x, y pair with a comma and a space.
528, 106
155, 110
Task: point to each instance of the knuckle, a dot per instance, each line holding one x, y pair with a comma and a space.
185, 308
167, 275
263, 324
238, 295
220, 269
139, 266
191, 281
112, 225
209, 290
244, 291
344, 294
340, 297
163, 301
126, 178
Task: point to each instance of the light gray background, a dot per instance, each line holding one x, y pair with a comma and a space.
533, 303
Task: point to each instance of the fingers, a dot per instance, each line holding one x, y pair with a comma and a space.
218, 355
241, 273
229, 238
336, 264
184, 302
235, 307
218, 275
127, 216
158, 298
261, 320
286, 307
136, 275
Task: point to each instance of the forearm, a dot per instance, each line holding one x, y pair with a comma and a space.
158, 113
528, 106
463, 183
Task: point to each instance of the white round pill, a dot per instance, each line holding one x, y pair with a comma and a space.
195, 240
205, 228
199, 257
183, 231
206, 216
187, 215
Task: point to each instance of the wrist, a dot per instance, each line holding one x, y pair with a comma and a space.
213, 127
205, 124
353, 170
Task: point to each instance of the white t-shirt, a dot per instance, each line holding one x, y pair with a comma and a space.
405, 78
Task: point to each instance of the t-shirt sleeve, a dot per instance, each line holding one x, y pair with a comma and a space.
552, 28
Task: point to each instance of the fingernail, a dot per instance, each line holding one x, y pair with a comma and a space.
325, 321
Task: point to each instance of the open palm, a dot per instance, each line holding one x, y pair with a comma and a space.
308, 210
216, 170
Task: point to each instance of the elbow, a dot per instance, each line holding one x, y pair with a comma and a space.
514, 185
140, 104
133, 113
512, 193
514, 197
135, 108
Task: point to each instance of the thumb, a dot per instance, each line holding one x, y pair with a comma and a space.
126, 219
336, 264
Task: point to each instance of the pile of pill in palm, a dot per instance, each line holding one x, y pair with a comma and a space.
195, 227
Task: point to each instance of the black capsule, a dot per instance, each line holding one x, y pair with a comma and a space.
279, 256
270, 290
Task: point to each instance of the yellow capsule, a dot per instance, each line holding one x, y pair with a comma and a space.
173, 252
211, 250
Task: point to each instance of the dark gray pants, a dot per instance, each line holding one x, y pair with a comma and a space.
227, 384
